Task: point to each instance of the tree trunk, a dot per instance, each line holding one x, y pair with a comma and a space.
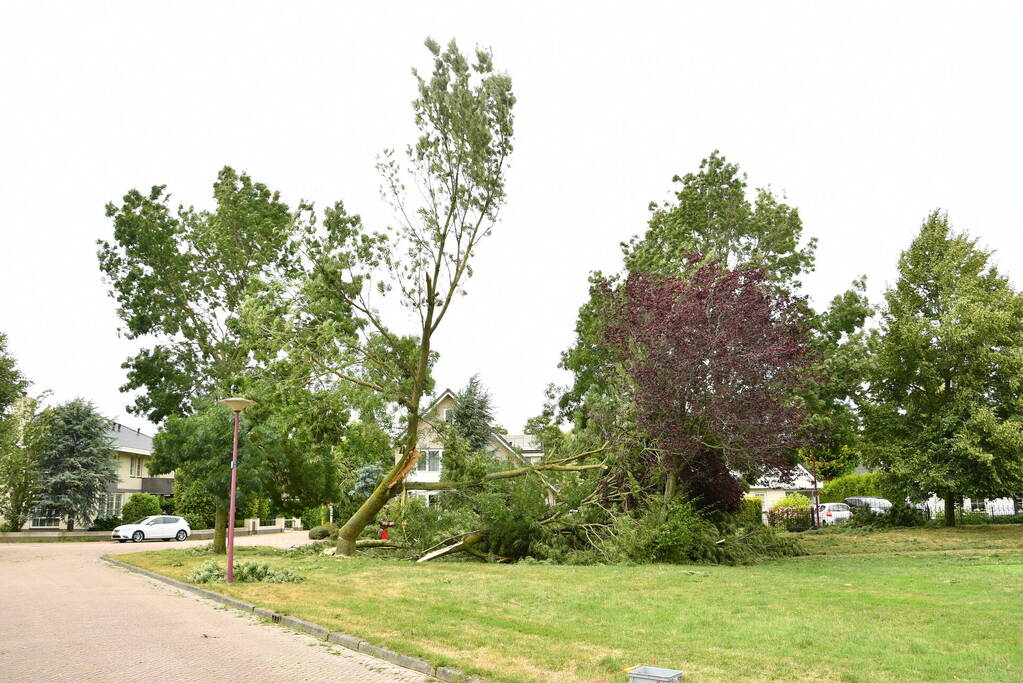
950, 510
70, 523
391, 482
220, 531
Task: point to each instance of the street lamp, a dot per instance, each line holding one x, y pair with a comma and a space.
237, 404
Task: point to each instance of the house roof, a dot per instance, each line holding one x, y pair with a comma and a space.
130, 440
513, 442
800, 478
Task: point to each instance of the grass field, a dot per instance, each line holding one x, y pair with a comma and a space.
849, 541
865, 617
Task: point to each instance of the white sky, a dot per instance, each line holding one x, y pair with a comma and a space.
866, 115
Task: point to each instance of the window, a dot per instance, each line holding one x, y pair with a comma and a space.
135, 469
109, 505
978, 505
44, 519
447, 414
429, 460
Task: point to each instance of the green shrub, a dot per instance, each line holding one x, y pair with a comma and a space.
322, 531
244, 572
105, 524
751, 513
902, 515
197, 521
167, 505
140, 505
312, 517
899, 515
872, 485
1007, 519
974, 518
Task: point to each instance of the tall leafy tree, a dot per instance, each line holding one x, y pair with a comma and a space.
445, 192
711, 362
180, 277
22, 433
945, 414
714, 214
198, 448
473, 415
76, 461
12, 382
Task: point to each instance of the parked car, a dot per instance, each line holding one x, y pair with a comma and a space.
880, 506
833, 513
157, 526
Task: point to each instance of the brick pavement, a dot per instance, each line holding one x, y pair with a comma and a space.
67, 616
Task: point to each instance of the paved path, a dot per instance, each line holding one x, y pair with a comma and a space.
65, 615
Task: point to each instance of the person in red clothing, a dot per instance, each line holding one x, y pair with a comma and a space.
384, 524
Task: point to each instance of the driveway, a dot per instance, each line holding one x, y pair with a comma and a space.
69, 616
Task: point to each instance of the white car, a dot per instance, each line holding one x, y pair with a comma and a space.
157, 526
834, 513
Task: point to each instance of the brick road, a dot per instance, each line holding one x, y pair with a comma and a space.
65, 615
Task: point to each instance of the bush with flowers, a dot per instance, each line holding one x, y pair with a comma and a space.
791, 512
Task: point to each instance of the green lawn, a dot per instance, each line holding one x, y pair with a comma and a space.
842, 540
882, 617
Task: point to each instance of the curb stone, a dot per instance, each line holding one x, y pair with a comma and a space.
337, 637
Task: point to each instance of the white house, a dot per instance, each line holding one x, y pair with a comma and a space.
772, 488
520, 448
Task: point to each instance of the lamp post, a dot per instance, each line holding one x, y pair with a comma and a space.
236, 404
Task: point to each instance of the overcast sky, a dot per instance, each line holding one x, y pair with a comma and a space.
867, 116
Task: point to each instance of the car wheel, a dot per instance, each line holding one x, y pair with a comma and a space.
138, 537
181, 535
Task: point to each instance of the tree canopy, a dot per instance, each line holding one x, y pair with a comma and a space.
711, 362
76, 461
945, 414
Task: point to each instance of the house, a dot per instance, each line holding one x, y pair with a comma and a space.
133, 451
772, 488
518, 448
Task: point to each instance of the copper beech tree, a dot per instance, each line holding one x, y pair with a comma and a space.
712, 362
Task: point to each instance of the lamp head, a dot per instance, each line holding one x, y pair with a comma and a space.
236, 403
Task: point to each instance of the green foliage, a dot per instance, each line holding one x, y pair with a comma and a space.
313, 517
750, 513
899, 515
871, 485
945, 414
180, 278
1006, 519
320, 532
140, 505
794, 511
12, 382
473, 415
366, 480
257, 508
794, 500
192, 501
420, 526
76, 461
244, 572
23, 432
973, 517
106, 523
713, 216
685, 536
200, 550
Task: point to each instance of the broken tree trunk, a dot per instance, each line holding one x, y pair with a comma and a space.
554, 466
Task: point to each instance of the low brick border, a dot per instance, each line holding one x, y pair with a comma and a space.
442, 673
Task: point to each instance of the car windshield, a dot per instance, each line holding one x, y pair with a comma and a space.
139, 521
